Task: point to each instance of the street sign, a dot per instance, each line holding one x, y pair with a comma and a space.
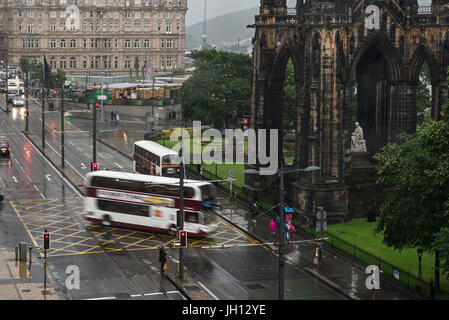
102, 97
321, 214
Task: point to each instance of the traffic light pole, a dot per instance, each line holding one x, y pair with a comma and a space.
27, 110
62, 126
281, 230
180, 218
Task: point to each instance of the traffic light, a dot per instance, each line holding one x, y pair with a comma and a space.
183, 238
244, 123
46, 241
93, 166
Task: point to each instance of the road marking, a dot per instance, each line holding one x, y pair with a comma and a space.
104, 298
83, 166
48, 177
36, 187
208, 291
26, 228
42, 195
118, 165
15, 179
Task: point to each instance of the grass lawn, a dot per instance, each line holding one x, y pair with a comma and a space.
361, 232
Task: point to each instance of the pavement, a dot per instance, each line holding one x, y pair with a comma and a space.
23, 280
335, 271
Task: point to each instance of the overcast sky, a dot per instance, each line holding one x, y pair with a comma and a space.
217, 8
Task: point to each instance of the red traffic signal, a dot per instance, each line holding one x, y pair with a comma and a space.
46, 241
183, 238
93, 166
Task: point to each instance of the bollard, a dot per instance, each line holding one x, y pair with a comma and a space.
177, 269
22, 251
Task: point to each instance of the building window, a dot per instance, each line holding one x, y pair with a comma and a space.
41, 27
127, 27
169, 43
105, 27
168, 28
19, 27
72, 63
111, 27
178, 27
84, 27
146, 27
72, 43
162, 43
85, 43
162, 62
52, 43
146, 43
117, 26
137, 14
127, 63
84, 64
62, 26
116, 62
137, 27
159, 26
62, 63
116, 43
127, 43
52, 26
136, 43
127, 14
169, 62
30, 27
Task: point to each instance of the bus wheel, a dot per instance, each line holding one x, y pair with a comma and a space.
172, 230
106, 221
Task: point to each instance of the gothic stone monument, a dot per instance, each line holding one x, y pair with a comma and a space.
378, 45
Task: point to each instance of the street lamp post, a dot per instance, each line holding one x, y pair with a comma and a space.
282, 217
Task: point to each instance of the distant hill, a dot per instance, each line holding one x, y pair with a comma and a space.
225, 28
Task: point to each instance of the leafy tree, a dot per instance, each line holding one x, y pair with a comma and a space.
58, 78
219, 89
289, 107
417, 172
424, 94
442, 245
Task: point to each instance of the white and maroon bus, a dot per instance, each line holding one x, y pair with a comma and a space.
148, 202
151, 158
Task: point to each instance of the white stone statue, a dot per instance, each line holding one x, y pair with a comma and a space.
358, 144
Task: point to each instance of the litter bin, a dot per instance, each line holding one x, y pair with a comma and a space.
22, 251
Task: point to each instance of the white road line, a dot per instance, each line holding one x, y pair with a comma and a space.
15, 179
42, 195
208, 291
56, 170
104, 298
118, 165
48, 177
87, 156
35, 187
81, 175
83, 166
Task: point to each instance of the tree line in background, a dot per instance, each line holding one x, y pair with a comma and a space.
219, 90
34, 68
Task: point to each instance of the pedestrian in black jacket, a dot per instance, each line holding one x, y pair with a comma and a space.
162, 259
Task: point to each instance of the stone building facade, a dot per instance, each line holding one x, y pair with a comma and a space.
80, 36
377, 46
